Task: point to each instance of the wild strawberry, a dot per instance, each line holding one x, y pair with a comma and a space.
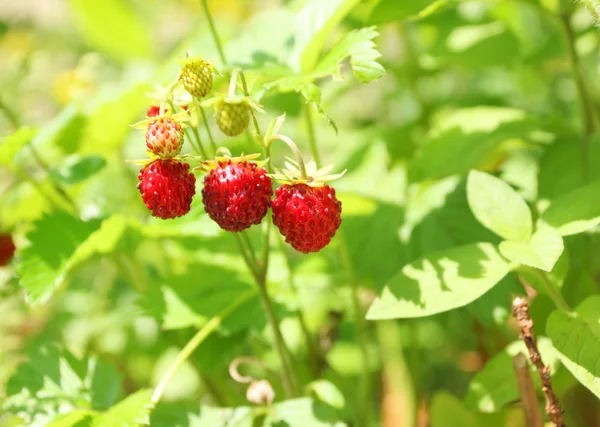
196, 76
167, 188
236, 193
305, 209
7, 249
164, 136
232, 117
153, 111
308, 217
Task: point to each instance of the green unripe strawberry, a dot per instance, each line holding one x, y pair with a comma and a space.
232, 117
196, 76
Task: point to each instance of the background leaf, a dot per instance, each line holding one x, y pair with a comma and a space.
576, 211
498, 207
576, 339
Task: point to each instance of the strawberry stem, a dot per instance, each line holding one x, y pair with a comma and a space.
213, 30
296, 151
233, 82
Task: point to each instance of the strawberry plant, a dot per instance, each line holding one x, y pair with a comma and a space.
300, 213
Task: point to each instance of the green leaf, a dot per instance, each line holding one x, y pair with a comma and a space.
52, 382
448, 411
327, 393
12, 144
313, 25
542, 251
57, 244
575, 212
357, 45
496, 386
77, 168
77, 418
130, 412
440, 282
393, 10
112, 27
498, 207
465, 138
301, 413
576, 339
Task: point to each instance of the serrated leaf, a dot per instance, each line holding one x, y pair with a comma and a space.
313, 25
77, 418
328, 393
498, 207
112, 27
53, 382
274, 127
576, 211
576, 339
357, 45
77, 168
448, 411
130, 412
12, 144
57, 244
542, 251
440, 282
495, 385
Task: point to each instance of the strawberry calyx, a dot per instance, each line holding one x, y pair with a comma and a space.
312, 176
209, 165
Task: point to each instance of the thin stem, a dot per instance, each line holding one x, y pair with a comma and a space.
10, 114
196, 340
363, 407
312, 138
296, 151
195, 144
554, 293
587, 110
288, 383
247, 93
248, 243
527, 391
233, 82
213, 30
251, 265
313, 354
211, 139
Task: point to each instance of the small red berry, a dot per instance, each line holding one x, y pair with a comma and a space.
167, 188
153, 111
164, 137
237, 195
7, 249
307, 216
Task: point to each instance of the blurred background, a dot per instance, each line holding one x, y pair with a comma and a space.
495, 85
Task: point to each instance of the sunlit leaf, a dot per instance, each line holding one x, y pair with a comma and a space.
576, 338
54, 382
498, 207
357, 45
58, 243
132, 411
314, 23
440, 282
542, 251
12, 144
576, 211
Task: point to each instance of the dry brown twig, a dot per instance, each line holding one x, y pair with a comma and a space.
527, 391
553, 409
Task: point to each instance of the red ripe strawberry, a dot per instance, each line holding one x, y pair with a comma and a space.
167, 188
164, 137
307, 216
153, 111
236, 193
7, 249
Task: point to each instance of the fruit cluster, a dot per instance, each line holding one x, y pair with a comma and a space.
236, 192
